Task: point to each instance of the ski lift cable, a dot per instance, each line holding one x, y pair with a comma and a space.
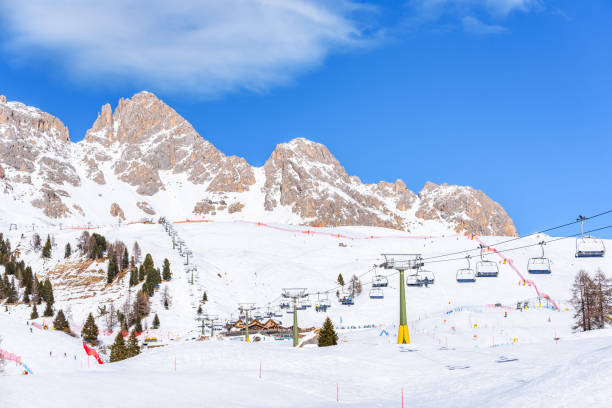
530, 245
524, 236
480, 249
364, 284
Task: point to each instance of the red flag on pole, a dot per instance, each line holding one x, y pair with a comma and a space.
91, 352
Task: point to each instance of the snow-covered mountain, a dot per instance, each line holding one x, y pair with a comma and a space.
144, 159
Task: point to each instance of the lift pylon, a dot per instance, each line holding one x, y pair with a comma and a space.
402, 262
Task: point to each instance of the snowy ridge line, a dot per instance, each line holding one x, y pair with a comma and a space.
330, 234
525, 281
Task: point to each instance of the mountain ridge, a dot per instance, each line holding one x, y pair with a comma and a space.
152, 161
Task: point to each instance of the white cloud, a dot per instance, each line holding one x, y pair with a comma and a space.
497, 8
203, 46
470, 14
473, 25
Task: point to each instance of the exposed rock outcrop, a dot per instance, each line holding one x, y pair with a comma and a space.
150, 137
468, 209
144, 206
51, 204
116, 211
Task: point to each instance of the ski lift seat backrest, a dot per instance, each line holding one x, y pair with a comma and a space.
589, 247
466, 275
538, 266
486, 268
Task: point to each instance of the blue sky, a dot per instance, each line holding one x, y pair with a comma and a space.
509, 96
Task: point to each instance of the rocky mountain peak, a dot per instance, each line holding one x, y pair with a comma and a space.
148, 137
147, 145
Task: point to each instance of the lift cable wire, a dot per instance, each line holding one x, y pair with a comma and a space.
525, 236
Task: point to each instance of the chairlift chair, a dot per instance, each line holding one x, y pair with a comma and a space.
413, 280
380, 281
539, 265
346, 299
376, 293
590, 247
426, 277
322, 303
466, 275
587, 246
484, 268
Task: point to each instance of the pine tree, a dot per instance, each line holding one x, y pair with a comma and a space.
148, 263
327, 335
67, 251
60, 322
26, 297
124, 327
46, 292
12, 295
118, 350
48, 310
204, 297
133, 277
125, 261
166, 274
111, 271
141, 273
90, 330
46, 252
199, 311
156, 321
34, 314
133, 349
340, 280
138, 326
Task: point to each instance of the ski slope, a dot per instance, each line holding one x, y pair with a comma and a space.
458, 336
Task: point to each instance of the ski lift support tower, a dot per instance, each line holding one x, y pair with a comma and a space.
401, 263
295, 294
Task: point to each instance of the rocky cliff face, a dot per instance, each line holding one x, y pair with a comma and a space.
466, 208
305, 176
148, 137
145, 148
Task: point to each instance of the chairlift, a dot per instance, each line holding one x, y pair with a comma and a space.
284, 304
420, 278
306, 303
466, 275
376, 293
486, 269
587, 246
322, 303
380, 281
346, 299
539, 265
413, 280
426, 277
